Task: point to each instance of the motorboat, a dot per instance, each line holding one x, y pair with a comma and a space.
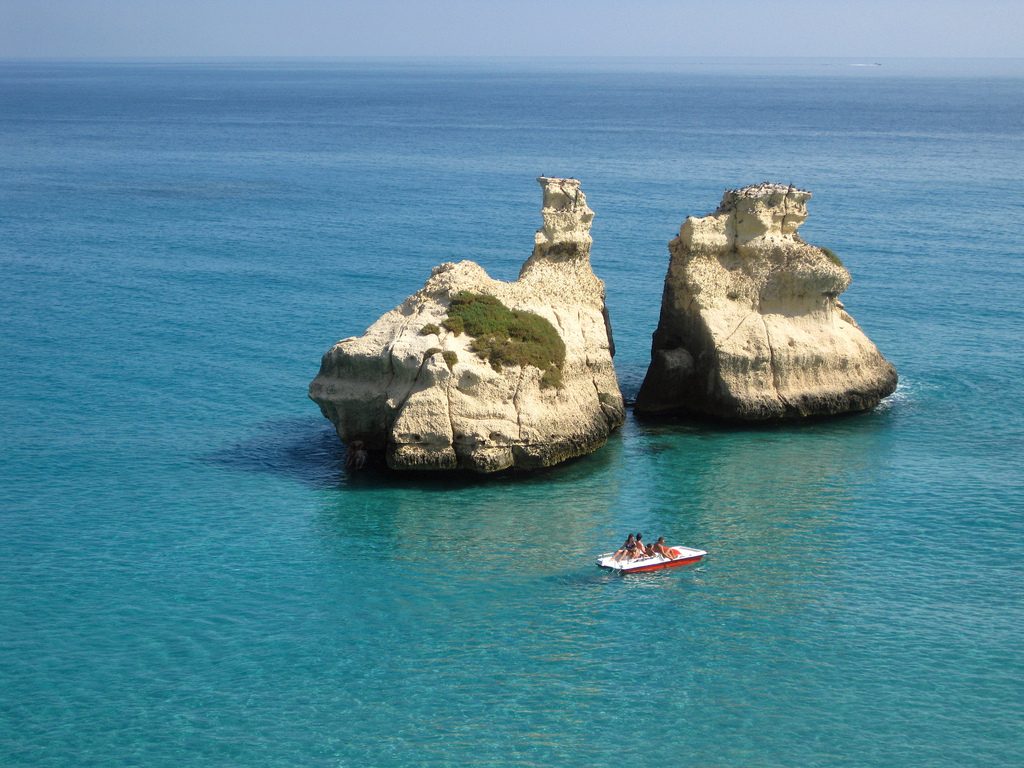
680, 556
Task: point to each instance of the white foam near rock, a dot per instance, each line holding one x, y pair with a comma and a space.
393, 390
751, 324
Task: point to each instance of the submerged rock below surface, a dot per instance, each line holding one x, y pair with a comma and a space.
479, 374
751, 324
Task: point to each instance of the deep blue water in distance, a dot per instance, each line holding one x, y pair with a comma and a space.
188, 576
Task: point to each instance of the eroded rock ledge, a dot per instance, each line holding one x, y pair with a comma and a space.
422, 393
751, 324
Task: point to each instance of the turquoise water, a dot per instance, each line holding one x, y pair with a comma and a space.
188, 576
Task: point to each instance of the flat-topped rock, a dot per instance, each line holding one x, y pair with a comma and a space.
485, 375
751, 324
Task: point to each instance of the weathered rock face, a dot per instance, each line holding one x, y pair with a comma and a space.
423, 394
751, 325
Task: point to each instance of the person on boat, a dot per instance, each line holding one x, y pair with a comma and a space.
627, 549
642, 550
660, 548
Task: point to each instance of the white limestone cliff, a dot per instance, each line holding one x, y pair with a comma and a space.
417, 391
751, 324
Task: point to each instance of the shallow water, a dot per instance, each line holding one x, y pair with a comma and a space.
188, 575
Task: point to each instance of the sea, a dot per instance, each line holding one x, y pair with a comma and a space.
190, 577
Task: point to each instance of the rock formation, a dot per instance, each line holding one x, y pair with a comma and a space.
475, 373
751, 324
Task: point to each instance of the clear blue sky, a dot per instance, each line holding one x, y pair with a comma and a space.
757, 28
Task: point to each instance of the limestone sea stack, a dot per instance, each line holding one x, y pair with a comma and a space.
751, 324
479, 374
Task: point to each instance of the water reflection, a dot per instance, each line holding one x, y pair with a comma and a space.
768, 503
302, 449
531, 519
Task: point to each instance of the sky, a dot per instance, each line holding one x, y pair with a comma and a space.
576, 28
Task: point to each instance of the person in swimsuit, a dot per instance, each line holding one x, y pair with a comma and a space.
626, 549
642, 550
660, 548
356, 455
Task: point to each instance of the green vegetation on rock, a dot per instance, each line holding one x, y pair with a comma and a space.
831, 255
429, 329
504, 336
455, 325
450, 358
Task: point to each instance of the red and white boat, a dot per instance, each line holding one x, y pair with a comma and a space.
681, 556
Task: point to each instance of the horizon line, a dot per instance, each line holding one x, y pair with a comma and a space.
517, 57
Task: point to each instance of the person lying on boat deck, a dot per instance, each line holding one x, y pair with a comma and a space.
659, 548
628, 549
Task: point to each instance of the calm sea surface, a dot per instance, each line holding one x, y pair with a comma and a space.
188, 576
